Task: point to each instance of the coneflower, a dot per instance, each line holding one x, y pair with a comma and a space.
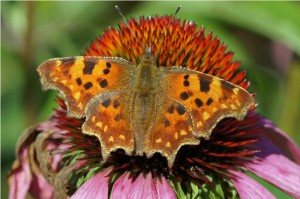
57, 159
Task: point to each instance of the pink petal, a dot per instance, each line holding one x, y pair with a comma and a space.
46, 125
274, 167
96, 187
55, 159
249, 188
282, 140
20, 178
40, 188
26, 177
142, 187
164, 189
120, 186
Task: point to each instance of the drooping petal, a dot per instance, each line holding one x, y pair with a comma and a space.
164, 190
249, 188
19, 179
96, 187
271, 165
40, 188
142, 187
282, 141
26, 176
46, 125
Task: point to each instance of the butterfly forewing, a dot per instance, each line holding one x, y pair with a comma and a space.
79, 79
207, 98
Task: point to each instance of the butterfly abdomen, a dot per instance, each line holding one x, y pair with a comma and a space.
143, 113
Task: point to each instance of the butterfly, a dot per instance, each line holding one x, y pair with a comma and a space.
143, 108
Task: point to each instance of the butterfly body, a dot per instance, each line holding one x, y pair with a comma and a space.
143, 108
145, 99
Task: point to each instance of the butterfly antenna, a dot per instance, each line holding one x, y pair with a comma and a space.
177, 10
173, 16
121, 14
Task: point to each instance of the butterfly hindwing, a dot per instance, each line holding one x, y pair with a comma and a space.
172, 128
108, 119
79, 79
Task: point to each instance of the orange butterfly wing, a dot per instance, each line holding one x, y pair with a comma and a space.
108, 119
200, 101
95, 88
79, 79
171, 129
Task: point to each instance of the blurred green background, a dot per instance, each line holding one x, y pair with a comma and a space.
265, 37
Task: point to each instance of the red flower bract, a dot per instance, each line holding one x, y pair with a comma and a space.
234, 146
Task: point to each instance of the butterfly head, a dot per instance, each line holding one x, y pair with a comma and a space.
148, 56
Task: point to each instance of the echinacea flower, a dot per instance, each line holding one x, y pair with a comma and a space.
56, 159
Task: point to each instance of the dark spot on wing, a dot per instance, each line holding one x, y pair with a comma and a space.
198, 102
66, 64
68, 61
180, 109
103, 83
106, 71
209, 101
108, 65
171, 109
117, 117
78, 81
88, 85
116, 104
184, 96
88, 67
204, 83
186, 76
225, 85
186, 83
106, 103
167, 123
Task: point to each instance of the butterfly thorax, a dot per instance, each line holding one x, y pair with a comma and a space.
146, 77
146, 73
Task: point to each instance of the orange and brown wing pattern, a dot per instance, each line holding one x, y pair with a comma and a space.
108, 119
172, 129
207, 98
79, 79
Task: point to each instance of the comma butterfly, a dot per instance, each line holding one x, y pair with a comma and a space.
143, 108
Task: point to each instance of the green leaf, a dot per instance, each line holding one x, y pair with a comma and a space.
222, 189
